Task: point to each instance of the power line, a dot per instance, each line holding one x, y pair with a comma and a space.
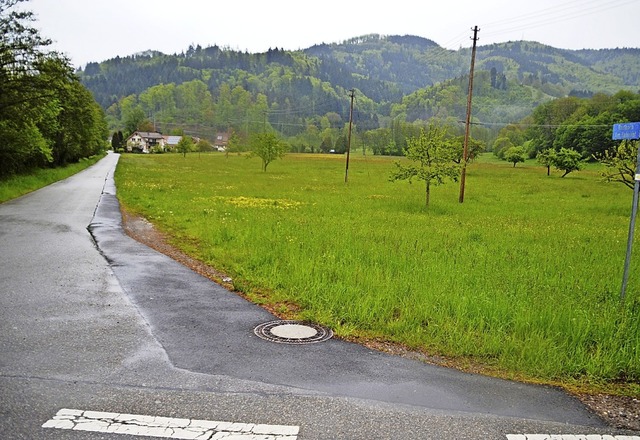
560, 13
518, 124
552, 11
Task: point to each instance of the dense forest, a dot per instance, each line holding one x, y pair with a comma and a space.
47, 117
398, 82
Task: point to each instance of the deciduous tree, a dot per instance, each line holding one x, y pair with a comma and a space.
134, 119
203, 146
46, 115
431, 157
185, 145
474, 148
547, 158
327, 144
620, 163
515, 155
268, 147
567, 160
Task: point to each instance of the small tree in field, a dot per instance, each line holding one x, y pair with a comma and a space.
567, 160
547, 158
620, 163
185, 145
515, 155
267, 147
474, 148
203, 146
432, 157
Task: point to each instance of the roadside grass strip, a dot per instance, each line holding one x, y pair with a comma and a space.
570, 437
167, 427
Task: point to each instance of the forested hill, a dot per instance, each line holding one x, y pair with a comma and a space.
398, 64
391, 75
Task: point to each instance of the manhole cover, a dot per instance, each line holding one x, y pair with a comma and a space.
292, 332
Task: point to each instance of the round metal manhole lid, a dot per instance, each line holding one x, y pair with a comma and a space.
292, 332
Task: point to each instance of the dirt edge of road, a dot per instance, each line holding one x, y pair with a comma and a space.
619, 412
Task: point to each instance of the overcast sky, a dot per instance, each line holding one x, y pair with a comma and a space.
96, 30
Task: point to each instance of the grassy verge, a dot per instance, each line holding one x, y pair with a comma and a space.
523, 278
20, 185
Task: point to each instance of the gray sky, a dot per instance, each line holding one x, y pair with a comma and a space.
96, 30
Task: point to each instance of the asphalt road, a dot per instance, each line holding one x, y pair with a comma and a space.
91, 319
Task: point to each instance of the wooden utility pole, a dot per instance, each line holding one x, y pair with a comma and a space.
352, 93
465, 150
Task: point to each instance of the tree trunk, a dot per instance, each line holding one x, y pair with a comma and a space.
427, 192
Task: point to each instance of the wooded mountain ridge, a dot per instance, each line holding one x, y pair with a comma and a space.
391, 75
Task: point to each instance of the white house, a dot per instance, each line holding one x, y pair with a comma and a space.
144, 141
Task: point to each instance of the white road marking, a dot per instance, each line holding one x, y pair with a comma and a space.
570, 437
167, 427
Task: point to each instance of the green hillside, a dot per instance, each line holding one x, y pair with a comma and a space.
303, 93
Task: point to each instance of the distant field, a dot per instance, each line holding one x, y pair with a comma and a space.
523, 277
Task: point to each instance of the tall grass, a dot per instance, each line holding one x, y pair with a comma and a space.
524, 276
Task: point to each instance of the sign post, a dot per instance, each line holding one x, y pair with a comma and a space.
629, 131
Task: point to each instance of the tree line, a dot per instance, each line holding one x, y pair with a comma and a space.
584, 125
47, 117
566, 132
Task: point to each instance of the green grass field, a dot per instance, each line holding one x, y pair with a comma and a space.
523, 278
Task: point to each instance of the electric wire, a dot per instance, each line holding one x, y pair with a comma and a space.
552, 15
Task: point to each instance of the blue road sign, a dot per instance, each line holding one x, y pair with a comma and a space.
628, 130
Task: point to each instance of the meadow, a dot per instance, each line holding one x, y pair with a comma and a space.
521, 280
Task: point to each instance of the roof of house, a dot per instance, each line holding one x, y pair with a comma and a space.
222, 138
173, 140
147, 134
